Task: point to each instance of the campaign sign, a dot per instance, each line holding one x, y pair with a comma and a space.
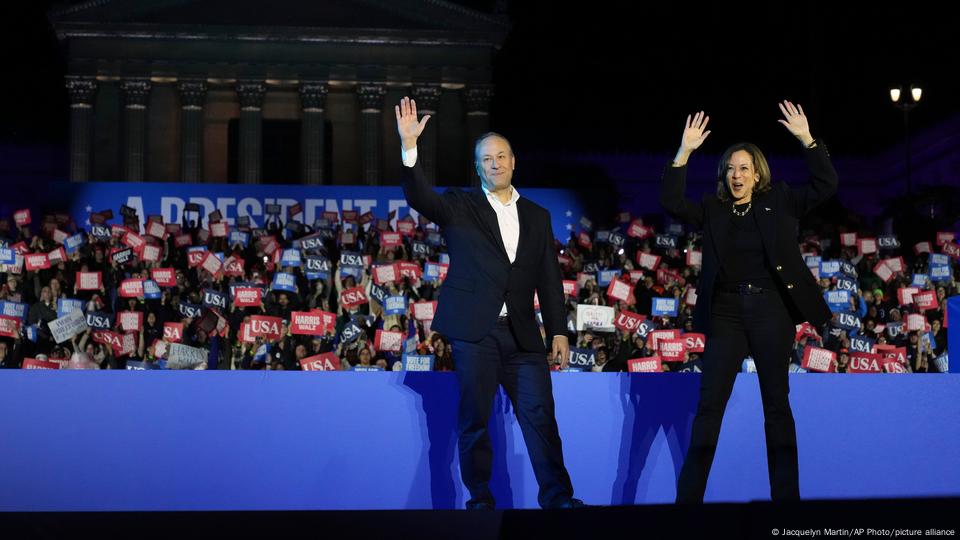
628, 321
666, 241
283, 281
817, 359
212, 264
617, 240
651, 364
663, 307
33, 363
317, 267
696, 342
646, 328
351, 258
865, 363
180, 356
191, 311
848, 269
583, 358
130, 321
10, 326
67, 326
385, 273
71, 243
36, 261
388, 341
926, 300
215, 299
268, 327
99, 320
847, 284
915, 322
433, 271
290, 257
619, 290
378, 293
151, 290
418, 362
327, 361
307, 323
597, 318
66, 305
247, 296
829, 268
8, 256
239, 237
888, 241
164, 277
395, 305
919, 280
604, 277
409, 270
424, 310
89, 281
657, 336
350, 332
350, 298
648, 260
173, 331
848, 321
837, 300
672, 350
131, 288
860, 343
569, 287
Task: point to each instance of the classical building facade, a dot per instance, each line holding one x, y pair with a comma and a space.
280, 91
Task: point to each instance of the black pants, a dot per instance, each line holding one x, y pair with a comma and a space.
758, 325
481, 367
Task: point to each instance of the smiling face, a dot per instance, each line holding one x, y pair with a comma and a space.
495, 162
741, 176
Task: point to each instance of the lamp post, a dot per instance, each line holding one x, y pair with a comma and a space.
906, 104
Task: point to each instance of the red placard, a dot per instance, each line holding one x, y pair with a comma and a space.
570, 287
107, 337
386, 273
350, 298
424, 311
672, 350
891, 352
410, 270
388, 341
247, 296
817, 359
848, 239
33, 363
861, 362
648, 260
152, 253
36, 261
130, 321
656, 336
172, 228
406, 227
131, 288
696, 342
883, 271
182, 240
195, 257
866, 246
307, 323
10, 326
619, 290
156, 229
89, 281
951, 249
268, 327
233, 266
173, 331
133, 240
628, 321
926, 300
165, 277
915, 322
694, 257
321, 362
219, 229
211, 263
905, 295
390, 239
921, 247
22, 217
329, 319
650, 364
944, 237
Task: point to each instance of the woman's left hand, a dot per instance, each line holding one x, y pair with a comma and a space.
796, 122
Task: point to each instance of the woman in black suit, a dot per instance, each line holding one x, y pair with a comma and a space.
753, 288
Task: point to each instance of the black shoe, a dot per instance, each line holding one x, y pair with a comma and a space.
479, 505
572, 503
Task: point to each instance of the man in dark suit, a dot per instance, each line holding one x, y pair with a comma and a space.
501, 251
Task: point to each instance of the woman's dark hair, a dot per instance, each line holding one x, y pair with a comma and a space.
759, 165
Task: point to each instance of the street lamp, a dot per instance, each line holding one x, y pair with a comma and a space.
906, 104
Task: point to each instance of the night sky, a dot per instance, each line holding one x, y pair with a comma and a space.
612, 77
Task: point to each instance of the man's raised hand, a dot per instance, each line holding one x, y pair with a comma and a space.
408, 127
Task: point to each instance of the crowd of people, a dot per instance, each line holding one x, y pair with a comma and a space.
357, 292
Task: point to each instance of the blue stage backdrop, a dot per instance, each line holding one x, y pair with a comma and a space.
219, 440
233, 200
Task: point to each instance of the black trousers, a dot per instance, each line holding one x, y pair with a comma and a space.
481, 367
761, 326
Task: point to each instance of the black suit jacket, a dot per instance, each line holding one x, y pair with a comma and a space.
778, 212
481, 277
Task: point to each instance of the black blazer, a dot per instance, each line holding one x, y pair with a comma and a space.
778, 212
481, 277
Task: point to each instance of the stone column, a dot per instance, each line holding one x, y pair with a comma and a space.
428, 101
251, 131
371, 111
136, 93
313, 100
81, 91
192, 96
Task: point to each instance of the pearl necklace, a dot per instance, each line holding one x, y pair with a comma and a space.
745, 210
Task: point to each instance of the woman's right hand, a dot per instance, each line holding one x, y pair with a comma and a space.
693, 133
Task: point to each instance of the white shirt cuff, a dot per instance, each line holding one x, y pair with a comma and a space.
409, 156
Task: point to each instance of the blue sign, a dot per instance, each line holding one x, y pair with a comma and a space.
444, 258
290, 257
317, 267
663, 307
645, 328
813, 260
355, 271
863, 344
604, 277
350, 332
582, 358
848, 321
283, 281
366, 368
190, 310
31, 332
418, 362
666, 241
939, 259
151, 291
940, 274
847, 284
240, 237
395, 305
920, 280
214, 298
71, 243
837, 300
14, 309
848, 269
378, 293
67, 305
431, 271
829, 268
8, 256
99, 320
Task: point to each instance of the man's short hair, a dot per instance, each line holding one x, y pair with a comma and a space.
485, 136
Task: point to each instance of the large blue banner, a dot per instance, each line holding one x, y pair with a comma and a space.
234, 200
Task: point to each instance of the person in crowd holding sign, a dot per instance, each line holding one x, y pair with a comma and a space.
754, 287
501, 248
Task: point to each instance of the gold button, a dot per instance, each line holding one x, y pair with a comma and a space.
789, 285
779, 268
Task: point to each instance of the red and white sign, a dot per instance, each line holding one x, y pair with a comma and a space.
861, 362
570, 287
128, 344
195, 257
307, 323
409, 270
648, 260
406, 227
329, 319
390, 239
584, 240
896, 264
134, 240
696, 342
817, 359
690, 298
848, 239
350, 298
36, 261
182, 240
952, 249
89, 281
59, 236
268, 327
10, 326
883, 271
233, 266
165, 277
246, 336
619, 290
921, 247
173, 331
33, 363
637, 230
656, 336
892, 353
247, 296
22, 217
172, 228
944, 237
915, 321
388, 341
628, 321
219, 229
926, 300
107, 337
905, 295
672, 350
131, 288
156, 229
321, 362
152, 253
651, 364
130, 321
57, 256
694, 257
866, 246
423, 311
385, 273
211, 263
